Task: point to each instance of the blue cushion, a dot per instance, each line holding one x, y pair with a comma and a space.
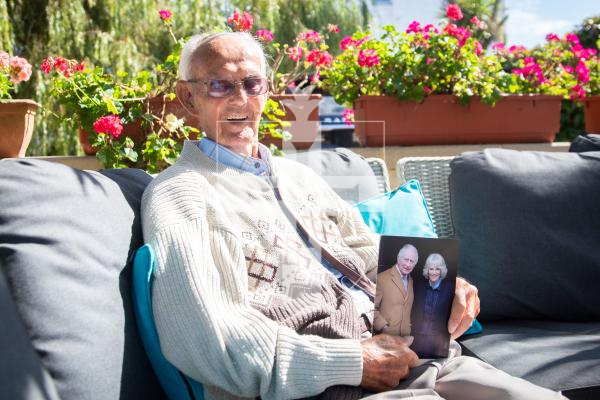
176, 385
401, 212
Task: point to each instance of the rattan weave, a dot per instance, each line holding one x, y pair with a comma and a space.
432, 174
381, 173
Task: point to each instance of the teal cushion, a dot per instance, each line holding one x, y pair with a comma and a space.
176, 385
401, 212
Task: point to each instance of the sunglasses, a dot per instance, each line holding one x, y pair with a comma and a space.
223, 87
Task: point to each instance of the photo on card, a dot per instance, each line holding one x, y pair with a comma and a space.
415, 289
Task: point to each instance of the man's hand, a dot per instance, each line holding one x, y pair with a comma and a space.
465, 308
386, 360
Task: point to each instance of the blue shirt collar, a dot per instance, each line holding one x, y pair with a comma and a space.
436, 285
221, 154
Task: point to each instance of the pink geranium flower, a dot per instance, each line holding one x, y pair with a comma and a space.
264, 35
315, 78
294, 53
460, 33
568, 69
109, 124
572, 38
453, 12
499, 47
577, 92
478, 48
333, 28
241, 23
46, 65
583, 73
477, 22
551, 37
309, 36
368, 58
415, 27
348, 115
19, 69
165, 15
430, 28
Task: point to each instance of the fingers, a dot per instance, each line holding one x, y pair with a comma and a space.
386, 360
465, 308
459, 306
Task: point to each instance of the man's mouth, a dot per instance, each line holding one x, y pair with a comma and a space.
236, 118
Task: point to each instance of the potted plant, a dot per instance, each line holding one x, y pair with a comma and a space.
561, 66
431, 85
16, 116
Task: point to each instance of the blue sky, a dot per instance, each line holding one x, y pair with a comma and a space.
530, 20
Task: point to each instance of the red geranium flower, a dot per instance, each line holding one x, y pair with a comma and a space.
241, 23
109, 124
454, 12
165, 15
46, 65
264, 35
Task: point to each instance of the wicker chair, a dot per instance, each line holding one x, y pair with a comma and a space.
432, 173
381, 174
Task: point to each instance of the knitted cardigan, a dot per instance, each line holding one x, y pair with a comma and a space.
240, 302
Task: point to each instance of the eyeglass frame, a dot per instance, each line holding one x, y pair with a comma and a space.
235, 83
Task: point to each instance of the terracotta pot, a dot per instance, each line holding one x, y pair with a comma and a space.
441, 119
302, 111
16, 126
134, 130
591, 108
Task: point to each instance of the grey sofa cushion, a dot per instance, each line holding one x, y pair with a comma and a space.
557, 355
22, 375
348, 173
585, 142
529, 230
66, 239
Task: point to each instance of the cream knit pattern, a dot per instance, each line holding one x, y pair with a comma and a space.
240, 303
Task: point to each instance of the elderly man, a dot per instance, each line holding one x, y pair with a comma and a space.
395, 294
251, 252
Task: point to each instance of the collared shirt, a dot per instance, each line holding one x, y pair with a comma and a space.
221, 154
260, 167
403, 277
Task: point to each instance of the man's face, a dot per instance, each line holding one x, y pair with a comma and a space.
231, 121
407, 261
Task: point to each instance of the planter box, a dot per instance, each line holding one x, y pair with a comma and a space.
134, 130
16, 126
591, 108
441, 119
302, 111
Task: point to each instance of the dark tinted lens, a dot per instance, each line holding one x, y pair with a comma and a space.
220, 88
255, 86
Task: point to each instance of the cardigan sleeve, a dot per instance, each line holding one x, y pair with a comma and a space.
208, 330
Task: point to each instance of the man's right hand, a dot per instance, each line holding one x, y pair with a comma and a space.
386, 360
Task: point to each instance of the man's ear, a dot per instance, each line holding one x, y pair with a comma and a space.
185, 96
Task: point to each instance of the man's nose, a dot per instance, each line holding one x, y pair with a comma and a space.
239, 93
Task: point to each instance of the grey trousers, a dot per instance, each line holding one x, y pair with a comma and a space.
463, 378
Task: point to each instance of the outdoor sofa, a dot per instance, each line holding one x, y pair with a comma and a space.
67, 238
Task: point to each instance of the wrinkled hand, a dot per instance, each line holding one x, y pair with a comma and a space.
386, 360
465, 308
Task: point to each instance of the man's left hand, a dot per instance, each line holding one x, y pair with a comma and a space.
465, 308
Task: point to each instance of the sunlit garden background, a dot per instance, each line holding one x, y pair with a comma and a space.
134, 47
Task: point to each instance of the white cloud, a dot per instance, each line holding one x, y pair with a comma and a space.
527, 27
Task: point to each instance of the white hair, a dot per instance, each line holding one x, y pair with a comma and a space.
197, 42
437, 260
407, 247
